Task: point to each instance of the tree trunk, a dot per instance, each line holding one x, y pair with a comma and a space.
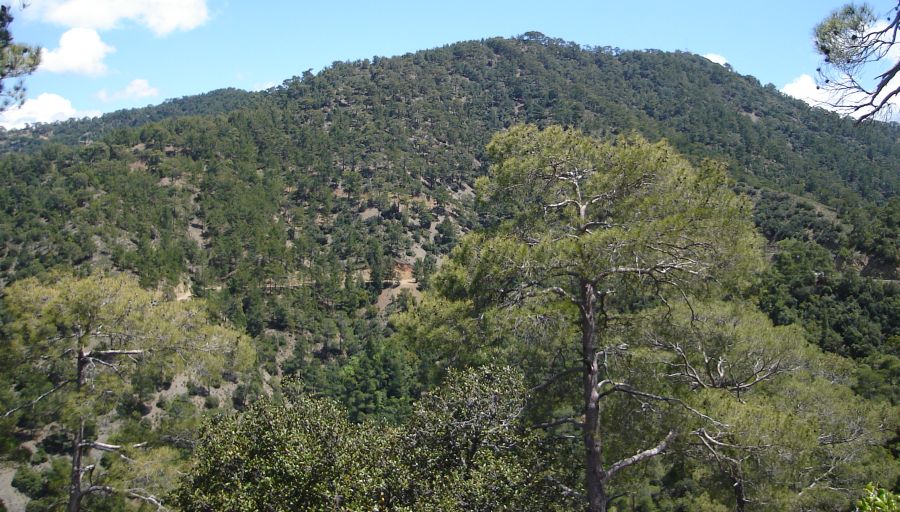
75, 485
594, 480
75, 492
740, 497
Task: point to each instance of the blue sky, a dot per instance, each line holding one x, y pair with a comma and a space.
104, 55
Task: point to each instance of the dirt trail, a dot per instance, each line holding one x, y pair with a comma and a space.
13, 499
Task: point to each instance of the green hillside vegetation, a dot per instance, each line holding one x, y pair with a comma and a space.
87, 130
310, 221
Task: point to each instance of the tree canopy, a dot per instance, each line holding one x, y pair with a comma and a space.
16, 61
335, 222
600, 260
76, 350
464, 448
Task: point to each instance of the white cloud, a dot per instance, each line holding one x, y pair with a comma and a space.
137, 88
80, 51
160, 16
715, 57
804, 88
46, 108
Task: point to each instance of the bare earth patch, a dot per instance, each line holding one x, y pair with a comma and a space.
13, 499
403, 271
368, 213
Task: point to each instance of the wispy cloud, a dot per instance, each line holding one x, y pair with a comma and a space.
137, 88
160, 16
263, 86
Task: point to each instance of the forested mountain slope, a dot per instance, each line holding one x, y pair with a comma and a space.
423, 119
307, 214
89, 129
372, 156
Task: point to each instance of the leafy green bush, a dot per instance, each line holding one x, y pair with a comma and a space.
878, 500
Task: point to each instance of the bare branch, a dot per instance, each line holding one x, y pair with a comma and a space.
625, 388
105, 489
38, 399
710, 444
553, 378
115, 368
567, 491
147, 498
131, 493
562, 421
851, 41
112, 353
644, 455
97, 445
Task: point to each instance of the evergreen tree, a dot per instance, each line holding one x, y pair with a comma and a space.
80, 347
16, 61
596, 227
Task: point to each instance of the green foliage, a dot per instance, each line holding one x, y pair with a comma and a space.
29, 482
598, 231
567, 198
119, 125
878, 500
288, 212
780, 216
248, 198
468, 449
83, 351
378, 382
274, 457
51, 320
43, 487
878, 376
717, 379
462, 449
16, 61
835, 34
788, 430
842, 311
423, 269
877, 232
446, 235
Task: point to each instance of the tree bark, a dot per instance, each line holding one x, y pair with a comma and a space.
593, 444
75, 485
739, 496
75, 491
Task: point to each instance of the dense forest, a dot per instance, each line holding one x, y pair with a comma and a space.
509, 274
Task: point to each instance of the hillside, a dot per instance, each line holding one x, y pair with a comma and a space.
308, 214
86, 130
371, 157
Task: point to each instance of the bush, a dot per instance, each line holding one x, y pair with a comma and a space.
211, 402
29, 482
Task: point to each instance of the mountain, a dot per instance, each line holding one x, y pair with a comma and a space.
356, 166
86, 130
306, 214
